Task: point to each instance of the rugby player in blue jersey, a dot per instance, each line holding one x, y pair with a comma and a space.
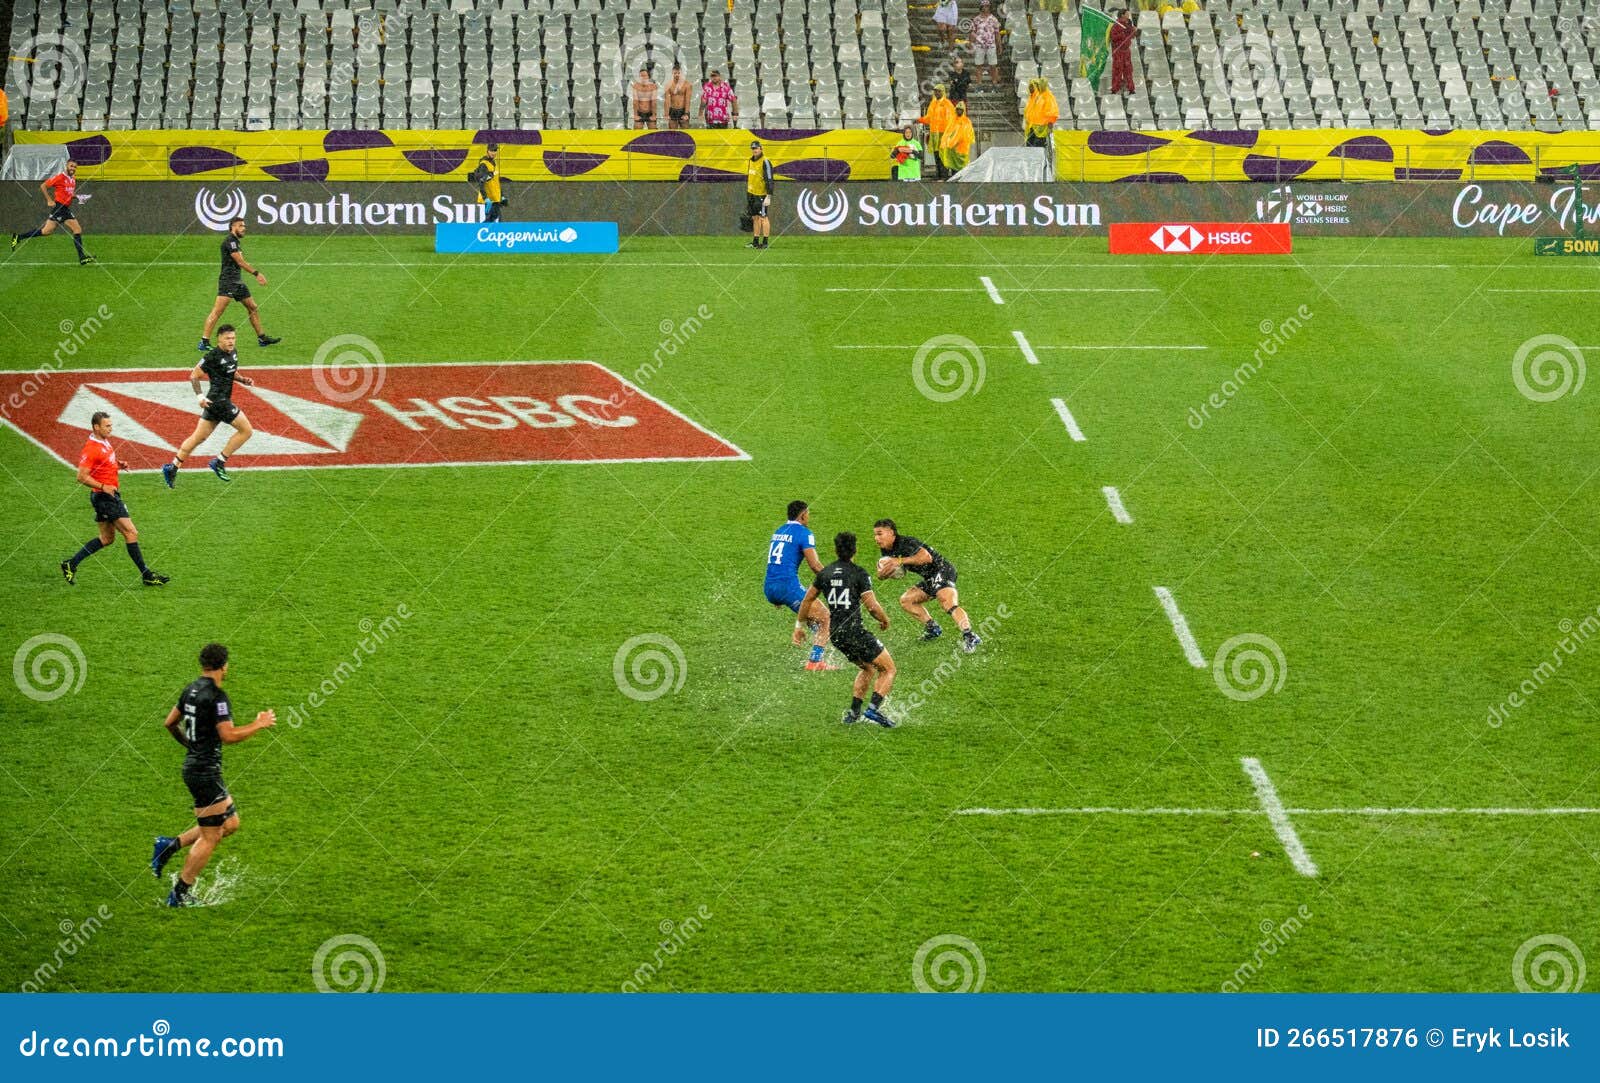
791, 543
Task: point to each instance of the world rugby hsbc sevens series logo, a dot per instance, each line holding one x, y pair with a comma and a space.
825, 213
217, 212
506, 413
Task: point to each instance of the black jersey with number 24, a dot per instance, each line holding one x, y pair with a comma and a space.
201, 706
841, 586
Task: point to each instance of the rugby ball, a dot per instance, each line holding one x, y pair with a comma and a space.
889, 568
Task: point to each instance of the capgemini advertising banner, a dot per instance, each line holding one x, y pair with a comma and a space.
586, 237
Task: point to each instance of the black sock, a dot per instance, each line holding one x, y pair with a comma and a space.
90, 548
77, 239
176, 845
877, 700
180, 887
28, 236
932, 623
136, 556
855, 704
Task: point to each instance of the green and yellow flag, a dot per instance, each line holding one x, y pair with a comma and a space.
1094, 46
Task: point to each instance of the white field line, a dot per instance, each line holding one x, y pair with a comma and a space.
1372, 811
1538, 289
1114, 502
1027, 350
1180, 628
1282, 826
649, 264
989, 287
1067, 420
991, 346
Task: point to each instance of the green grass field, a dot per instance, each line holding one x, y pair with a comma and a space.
482, 802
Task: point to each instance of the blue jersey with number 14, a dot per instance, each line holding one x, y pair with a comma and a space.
785, 552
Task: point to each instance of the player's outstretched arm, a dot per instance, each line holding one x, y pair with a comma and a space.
870, 600
238, 257
172, 727
813, 561
232, 735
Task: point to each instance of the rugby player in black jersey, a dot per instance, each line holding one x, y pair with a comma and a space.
220, 366
844, 588
938, 581
202, 722
231, 287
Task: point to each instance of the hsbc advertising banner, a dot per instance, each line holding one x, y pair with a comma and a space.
805, 209
308, 416
1200, 239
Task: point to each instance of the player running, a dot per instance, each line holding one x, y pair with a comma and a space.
845, 587
220, 365
938, 581
231, 287
97, 468
202, 722
58, 193
792, 542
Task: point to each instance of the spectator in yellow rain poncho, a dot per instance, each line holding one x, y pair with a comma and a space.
938, 118
958, 140
1041, 113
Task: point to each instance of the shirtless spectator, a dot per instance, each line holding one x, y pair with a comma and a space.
644, 100
679, 91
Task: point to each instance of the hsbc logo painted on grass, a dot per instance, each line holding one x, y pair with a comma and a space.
419, 415
1199, 238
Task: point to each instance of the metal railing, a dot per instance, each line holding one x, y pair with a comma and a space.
1270, 162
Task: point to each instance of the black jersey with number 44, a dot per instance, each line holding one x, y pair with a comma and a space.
229, 275
221, 366
201, 706
841, 586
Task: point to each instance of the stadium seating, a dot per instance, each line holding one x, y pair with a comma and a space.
1489, 64
311, 64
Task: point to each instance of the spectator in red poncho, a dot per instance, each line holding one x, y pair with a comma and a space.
1122, 35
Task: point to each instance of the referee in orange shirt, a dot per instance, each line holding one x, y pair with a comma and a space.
97, 468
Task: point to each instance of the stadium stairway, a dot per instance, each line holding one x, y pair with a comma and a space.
993, 109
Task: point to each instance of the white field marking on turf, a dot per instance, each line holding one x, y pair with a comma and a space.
1114, 502
1067, 420
994, 294
1027, 350
1376, 811
1180, 627
918, 346
1282, 826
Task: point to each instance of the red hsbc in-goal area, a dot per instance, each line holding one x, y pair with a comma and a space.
504, 413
